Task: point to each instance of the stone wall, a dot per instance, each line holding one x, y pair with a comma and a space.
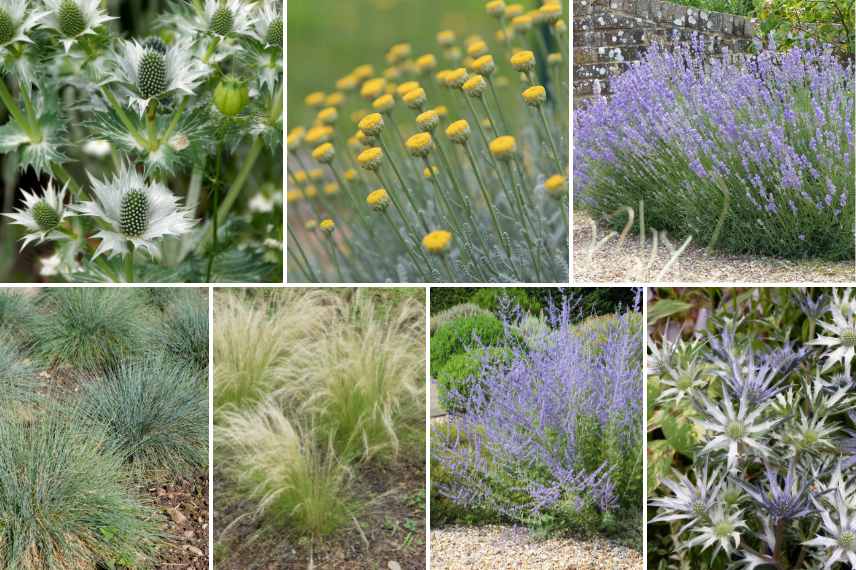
609, 35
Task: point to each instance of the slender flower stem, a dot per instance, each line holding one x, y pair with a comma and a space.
535, 257
129, 263
173, 124
335, 257
505, 123
356, 203
31, 114
489, 201
243, 174
309, 272
14, 110
477, 121
407, 248
392, 196
549, 136
123, 117
489, 116
448, 269
404, 189
212, 253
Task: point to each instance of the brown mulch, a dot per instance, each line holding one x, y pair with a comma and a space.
627, 261
184, 506
387, 497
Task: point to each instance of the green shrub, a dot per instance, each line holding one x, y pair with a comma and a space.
64, 502
462, 370
460, 335
457, 312
183, 333
792, 22
91, 329
597, 329
494, 299
154, 412
534, 330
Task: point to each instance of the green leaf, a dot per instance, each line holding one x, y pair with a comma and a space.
666, 308
679, 433
660, 456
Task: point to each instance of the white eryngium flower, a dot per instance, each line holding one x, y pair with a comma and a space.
42, 215
269, 24
734, 428
75, 18
722, 530
152, 69
136, 211
840, 535
224, 17
840, 336
16, 21
690, 501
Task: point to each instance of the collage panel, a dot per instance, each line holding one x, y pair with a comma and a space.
751, 428
319, 428
713, 142
104, 428
536, 428
428, 142
141, 141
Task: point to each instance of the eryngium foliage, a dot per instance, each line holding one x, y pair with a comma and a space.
555, 432
154, 412
64, 502
753, 155
91, 329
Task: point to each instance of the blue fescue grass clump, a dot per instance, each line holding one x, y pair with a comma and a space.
17, 314
91, 329
551, 437
17, 374
154, 412
748, 155
64, 500
183, 332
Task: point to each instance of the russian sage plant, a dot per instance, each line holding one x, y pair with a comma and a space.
126, 132
554, 435
750, 154
752, 461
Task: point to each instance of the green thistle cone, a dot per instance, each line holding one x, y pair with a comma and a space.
222, 21
151, 77
71, 21
46, 217
154, 43
7, 27
274, 34
134, 213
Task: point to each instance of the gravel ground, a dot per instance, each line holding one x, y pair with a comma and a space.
614, 262
502, 547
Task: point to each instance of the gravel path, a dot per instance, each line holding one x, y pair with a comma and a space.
506, 548
613, 262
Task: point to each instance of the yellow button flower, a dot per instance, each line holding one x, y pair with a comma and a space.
484, 65
319, 134
420, 144
477, 49
327, 226
347, 83
535, 95
458, 132
445, 38
406, 87
384, 103
378, 200
371, 125
437, 242
415, 98
373, 88
475, 86
295, 138
503, 148
495, 8
426, 63
328, 115
363, 72
324, 153
521, 24
514, 10
556, 185
523, 61
428, 121
370, 158
457, 77
293, 196
315, 99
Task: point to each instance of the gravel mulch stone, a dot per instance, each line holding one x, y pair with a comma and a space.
627, 261
505, 547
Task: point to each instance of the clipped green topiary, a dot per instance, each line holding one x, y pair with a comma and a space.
495, 299
461, 371
460, 335
64, 501
91, 329
457, 312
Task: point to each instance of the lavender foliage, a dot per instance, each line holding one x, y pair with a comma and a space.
555, 431
750, 153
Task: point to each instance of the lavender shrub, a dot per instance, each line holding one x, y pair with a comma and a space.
749, 154
551, 439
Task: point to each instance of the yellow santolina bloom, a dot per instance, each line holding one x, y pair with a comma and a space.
514, 10
484, 65
420, 144
523, 61
441, 110
300, 176
324, 153
371, 125
363, 72
316, 174
328, 115
399, 52
536, 16
319, 134
428, 121
370, 158
365, 140
350, 175
378, 200
522, 23
495, 8
347, 83
373, 88
445, 38
430, 172
331, 188
475, 86
556, 185
315, 99
560, 26
416, 98
294, 196
406, 87
503, 148
554, 58
383, 103
426, 63
295, 138
391, 73
327, 226
310, 225
335, 99
477, 49
551, 11
457, 77
442, 77
535, 95
437, 241
459, 131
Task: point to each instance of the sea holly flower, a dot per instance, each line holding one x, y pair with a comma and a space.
782, 502
839, 538
74, 19
17, 19
152, 70
42, 215
848, 444
136, 212
691, 502
735, 429
225, 17
682, 382
811, 433
268, 24
722, 531
840, 337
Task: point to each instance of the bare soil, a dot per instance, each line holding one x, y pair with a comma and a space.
391, 529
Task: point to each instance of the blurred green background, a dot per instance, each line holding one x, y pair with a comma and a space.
329, 38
